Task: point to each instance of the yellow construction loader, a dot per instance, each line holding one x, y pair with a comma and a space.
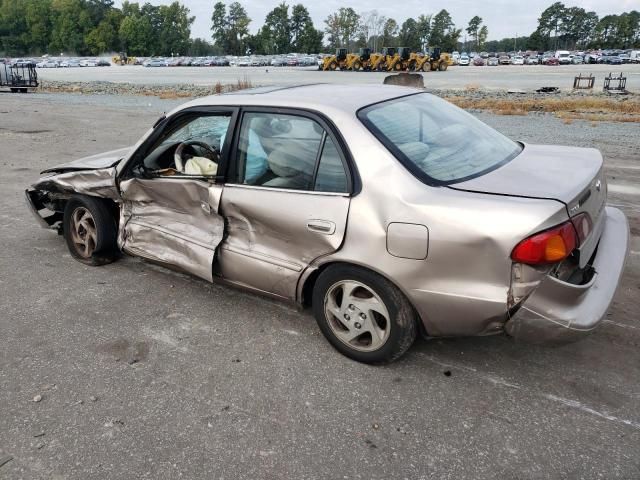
347, 61
399, 62
380, 61
360, 61
432, 61
122, 59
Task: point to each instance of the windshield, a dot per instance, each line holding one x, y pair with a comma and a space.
437, 141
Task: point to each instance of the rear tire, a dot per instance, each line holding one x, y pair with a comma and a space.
363, 315
333, 66
357, 66
426, 67
443, 66
90, 230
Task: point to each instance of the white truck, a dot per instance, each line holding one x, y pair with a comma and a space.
563, 56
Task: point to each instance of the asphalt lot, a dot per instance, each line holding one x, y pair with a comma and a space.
146, 373
501, 77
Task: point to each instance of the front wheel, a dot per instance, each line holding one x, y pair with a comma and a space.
90, 230
363, 315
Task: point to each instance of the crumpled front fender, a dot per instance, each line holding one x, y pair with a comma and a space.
98, 183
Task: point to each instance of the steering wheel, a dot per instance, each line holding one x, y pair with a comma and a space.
214, 155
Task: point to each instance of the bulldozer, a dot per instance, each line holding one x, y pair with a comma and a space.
123, 59
399, 62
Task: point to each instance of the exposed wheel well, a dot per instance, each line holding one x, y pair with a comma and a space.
307, 289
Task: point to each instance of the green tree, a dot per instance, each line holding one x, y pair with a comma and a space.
38, 25
277, 21
424, 29
473, 30
410, 35
71, 22
136, 34
199, 47
443, 32
175, 29
104, 37
342, 27
219, 26
300, 26
310, 41
482, 36
551, 24
389, 32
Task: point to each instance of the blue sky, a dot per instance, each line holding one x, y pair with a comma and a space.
503, 18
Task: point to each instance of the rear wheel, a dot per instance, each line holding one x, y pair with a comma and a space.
443, 66
90, 230
363, 315
357, 66
426, 66
397, 66
333, 66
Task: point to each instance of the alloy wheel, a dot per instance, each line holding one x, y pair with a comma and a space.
357, 315
83, 232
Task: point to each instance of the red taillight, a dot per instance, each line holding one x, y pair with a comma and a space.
550, 246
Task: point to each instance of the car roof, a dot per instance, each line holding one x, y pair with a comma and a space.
320, 96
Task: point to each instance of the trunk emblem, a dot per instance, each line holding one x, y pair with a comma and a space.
598, 185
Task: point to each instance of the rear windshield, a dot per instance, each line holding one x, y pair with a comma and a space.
437, 141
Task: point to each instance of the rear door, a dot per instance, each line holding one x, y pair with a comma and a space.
286, 199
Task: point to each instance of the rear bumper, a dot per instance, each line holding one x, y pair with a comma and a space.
560, 312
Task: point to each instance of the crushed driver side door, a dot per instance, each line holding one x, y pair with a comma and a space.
173, 221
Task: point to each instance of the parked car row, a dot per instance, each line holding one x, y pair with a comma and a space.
558, 57
59, 62
291, 60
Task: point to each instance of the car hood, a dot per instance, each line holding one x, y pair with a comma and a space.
541, 171
94, 162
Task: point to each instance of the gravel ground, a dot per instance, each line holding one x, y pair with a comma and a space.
145, 373
493, 78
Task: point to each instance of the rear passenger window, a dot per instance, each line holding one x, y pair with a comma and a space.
290, 152
331, 176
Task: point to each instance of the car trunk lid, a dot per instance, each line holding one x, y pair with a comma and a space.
570, 175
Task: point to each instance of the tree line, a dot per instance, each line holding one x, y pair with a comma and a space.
93, 27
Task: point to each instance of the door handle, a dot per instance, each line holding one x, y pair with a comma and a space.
321, 226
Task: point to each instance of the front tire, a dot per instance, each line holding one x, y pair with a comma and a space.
363, 315
90, 230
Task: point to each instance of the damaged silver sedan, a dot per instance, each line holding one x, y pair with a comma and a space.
388, 217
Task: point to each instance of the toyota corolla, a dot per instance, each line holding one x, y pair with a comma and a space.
386, 210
